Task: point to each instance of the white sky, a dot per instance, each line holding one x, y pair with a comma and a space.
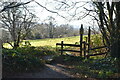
50, 4
42, 14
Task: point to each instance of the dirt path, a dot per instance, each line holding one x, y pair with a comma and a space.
50, 71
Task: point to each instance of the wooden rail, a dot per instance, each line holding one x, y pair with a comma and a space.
84, 49
69, 50
95, 54
74, 45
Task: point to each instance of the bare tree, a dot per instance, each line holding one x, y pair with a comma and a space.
18, 22
10, 5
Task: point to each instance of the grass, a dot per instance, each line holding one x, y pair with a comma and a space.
49, 42
52, 42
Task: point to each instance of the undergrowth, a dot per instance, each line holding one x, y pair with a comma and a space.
25, 59
91, 68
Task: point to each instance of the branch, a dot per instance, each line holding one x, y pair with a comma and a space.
64, 3
49, 10
12, 6
10, 43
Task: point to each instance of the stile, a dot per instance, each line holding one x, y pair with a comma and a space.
86, 45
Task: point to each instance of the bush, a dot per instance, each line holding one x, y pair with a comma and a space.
25, 58
97, 40
18, 61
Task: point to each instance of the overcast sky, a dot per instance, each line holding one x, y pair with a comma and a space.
43, 14
51, 4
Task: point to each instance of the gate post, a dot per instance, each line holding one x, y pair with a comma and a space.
84, 49
89, 35
81, 38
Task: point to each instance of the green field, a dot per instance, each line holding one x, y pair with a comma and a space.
49, 42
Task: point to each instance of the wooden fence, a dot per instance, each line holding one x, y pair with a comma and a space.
84, 46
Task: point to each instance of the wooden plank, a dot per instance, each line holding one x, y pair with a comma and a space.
69, 50
68, 45
58, 43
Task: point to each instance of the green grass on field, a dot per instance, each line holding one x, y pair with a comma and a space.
49, 42
52, 42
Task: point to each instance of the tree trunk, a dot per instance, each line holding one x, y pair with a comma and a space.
115, 47
110, 27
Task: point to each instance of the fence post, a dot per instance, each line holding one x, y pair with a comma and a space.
81, 38
84, 49
61, 47
89, 35
56, 48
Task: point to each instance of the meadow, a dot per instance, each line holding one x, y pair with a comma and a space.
48, 41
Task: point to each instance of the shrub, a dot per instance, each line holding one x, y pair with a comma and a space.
25, 58
14, 61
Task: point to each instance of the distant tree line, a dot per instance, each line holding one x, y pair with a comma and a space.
50, 30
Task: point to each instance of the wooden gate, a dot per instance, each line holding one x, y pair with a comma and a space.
84, 46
